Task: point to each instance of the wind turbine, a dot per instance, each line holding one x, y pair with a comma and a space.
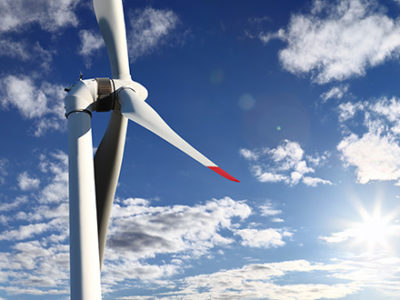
92, 182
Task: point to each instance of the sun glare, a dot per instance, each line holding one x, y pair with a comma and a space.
375, 230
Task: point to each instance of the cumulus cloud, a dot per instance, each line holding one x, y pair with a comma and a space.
382, 165
150, 28
50, 15
286, 163
338, 40
152, 230
42, 103
379, 135
25, 182
141, 232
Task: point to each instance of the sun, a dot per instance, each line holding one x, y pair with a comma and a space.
375, 230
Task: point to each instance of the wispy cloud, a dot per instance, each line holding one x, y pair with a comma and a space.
27, 52
258, 281
14, 49
3, 170
338, 40
50, 15
40, 102
149, 29
263, 238
286, 163
36, 261
90, 42
268, 210
26, 182
266, 280
337, 92
14, 204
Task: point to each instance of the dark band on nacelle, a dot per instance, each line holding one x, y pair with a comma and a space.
104, 87
78, 110
105, 92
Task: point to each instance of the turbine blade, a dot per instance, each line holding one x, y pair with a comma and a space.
110, 16
137, 110
107, 165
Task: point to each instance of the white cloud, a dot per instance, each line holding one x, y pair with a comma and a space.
23, 51
259, 281
334, 279
384, 164
150, 28
266, 37
381, 137
57, 190
143, 231
341, 236
14, 49
50, 15
263, 238
314, 181
336, 92
348, 110
25, 231
318, 159
268, 176
268, 210
36, 260
90, 42
286, 163
277, 220
248, 154
25, 182
42, 103
14, 204
338, 40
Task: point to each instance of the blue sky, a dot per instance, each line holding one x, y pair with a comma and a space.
299, 100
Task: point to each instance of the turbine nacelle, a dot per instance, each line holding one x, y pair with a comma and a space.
100, 94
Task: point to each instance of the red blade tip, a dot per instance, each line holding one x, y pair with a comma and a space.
223, 173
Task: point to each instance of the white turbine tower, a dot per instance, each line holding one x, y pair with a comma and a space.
92, 183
